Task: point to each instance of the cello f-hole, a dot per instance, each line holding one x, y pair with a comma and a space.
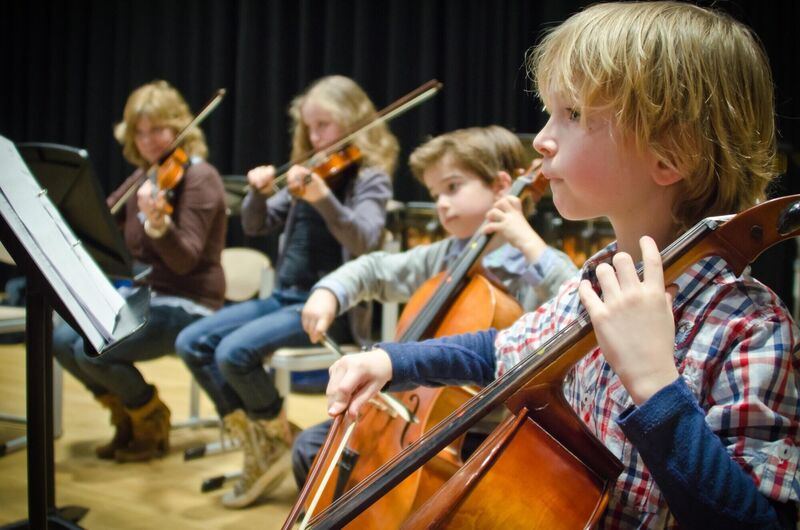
414, 398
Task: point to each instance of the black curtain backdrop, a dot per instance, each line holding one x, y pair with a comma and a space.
68, 67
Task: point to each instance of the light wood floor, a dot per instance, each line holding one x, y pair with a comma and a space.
164, 493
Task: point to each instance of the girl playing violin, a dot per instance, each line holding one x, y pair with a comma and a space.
661, 113
323, 227
468, 174
183, 248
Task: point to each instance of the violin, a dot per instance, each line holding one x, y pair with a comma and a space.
457, 300
333, 159
167, 172
543, 466
166, 175
332, 168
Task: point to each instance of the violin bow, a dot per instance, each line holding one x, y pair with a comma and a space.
398, 107
738, 239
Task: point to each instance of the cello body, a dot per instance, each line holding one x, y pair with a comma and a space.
380, 434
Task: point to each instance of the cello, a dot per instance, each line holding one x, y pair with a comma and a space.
443, 305
569, 472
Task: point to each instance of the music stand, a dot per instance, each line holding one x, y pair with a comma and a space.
67, 175
61, 275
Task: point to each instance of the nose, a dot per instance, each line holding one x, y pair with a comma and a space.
442, 205
313, 136
544, 142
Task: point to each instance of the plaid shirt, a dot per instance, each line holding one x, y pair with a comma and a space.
735, 347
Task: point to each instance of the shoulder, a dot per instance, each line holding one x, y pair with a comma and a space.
711, 288
202, 169
201, 174
730, 323
372, 176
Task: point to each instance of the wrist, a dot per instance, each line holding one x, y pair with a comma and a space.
644, 387
322, 195
157, 229
532, 247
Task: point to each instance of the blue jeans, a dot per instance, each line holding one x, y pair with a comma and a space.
305, 449
226, 351
114, 372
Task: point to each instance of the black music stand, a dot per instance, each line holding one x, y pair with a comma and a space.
60, 275
67, 175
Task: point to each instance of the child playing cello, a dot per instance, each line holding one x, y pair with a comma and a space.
468, 173
660, 113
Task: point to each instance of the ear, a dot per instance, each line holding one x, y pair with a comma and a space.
502, 183
665, 174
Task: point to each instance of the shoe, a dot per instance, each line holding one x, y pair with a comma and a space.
267, 458
150, 432
123, 428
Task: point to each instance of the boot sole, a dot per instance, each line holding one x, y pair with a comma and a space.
265, 484
123, 456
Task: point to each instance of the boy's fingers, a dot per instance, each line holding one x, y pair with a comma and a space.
625, 270
607, 279
589, 298
651, 260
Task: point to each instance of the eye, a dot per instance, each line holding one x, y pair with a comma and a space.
574, 114
452, 187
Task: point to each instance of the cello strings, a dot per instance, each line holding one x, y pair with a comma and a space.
327, 476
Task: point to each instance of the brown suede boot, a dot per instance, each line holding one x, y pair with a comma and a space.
150, 432
123, 432
267, 457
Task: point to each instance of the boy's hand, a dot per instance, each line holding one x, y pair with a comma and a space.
356, 378
506, 219
318, 313
633, 322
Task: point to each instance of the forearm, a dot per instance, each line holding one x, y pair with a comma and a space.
702, 485
455, 360
260, 215
382, 276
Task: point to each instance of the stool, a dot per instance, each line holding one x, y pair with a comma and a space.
287, 360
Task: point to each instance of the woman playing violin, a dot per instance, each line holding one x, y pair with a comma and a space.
182, 248
323, 226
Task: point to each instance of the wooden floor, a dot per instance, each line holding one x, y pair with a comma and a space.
164, 493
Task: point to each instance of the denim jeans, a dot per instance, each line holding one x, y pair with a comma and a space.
114, 372
226, 351
305, 449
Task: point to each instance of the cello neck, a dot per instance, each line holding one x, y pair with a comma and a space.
458, 271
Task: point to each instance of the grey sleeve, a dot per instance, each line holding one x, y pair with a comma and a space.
383, 276
358, 224
261, 215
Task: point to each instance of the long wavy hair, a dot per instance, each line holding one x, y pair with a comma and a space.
164, 106
349, 106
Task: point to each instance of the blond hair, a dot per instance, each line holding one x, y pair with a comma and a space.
164, 106
350, 107
484, 151
691, 84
